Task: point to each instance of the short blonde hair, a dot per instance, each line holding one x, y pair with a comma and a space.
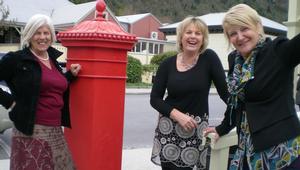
199, 24
33, 24
242, 15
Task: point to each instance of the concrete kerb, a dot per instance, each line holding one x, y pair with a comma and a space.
138, 90
148, 91
138, 159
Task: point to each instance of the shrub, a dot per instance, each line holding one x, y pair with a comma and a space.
150, 68
134, 70
157, 59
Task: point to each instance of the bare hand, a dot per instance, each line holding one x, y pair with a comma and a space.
75, 68
209, 130
185, 121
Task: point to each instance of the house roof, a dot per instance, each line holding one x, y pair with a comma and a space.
72, 14
130, 19
20, 11
215, 20
62, 12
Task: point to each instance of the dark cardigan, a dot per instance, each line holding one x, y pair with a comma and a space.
269, 102
22, 74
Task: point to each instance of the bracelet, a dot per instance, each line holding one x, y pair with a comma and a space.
11, 107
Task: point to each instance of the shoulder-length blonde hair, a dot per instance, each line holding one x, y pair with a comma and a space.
33, 24
199, 24
242, 15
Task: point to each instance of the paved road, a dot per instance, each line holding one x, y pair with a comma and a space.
141, 119
140, 122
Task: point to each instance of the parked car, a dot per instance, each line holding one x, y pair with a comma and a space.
5, 127
5, 122
2, 54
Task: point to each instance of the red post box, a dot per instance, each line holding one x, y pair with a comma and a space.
97, 98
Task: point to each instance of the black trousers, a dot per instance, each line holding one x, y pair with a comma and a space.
170, 166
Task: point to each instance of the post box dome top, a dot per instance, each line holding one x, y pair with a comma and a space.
97, 29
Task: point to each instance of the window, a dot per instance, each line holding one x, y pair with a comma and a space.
151, 48
138, 47
144, 46
156, 47
161, 49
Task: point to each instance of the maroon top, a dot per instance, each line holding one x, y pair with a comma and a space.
50, 103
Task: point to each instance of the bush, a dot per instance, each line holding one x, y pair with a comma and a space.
150, 68
157, 59
134, 70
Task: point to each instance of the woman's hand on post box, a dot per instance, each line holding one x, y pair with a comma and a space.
75, 68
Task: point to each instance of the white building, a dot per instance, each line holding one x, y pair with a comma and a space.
217, 40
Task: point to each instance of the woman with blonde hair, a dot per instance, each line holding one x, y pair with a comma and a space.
261, 104
184, 113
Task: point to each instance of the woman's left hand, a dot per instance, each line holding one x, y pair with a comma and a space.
75, 68
209, 130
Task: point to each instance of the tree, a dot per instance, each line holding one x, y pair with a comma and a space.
134, 70
80, 1
4, 12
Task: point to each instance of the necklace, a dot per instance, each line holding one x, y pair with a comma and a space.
39, 57
188, 66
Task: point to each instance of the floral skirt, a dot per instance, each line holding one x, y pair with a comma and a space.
46, 149
182, 148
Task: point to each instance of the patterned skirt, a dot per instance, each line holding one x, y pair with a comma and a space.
46, 149
182, 148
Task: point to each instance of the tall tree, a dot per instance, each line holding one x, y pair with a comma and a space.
175, 10
4, 12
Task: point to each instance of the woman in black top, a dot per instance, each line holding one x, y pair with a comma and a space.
187, 77
261, 104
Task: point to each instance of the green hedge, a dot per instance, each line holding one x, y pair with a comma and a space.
157, 59
150, 68
134, 70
